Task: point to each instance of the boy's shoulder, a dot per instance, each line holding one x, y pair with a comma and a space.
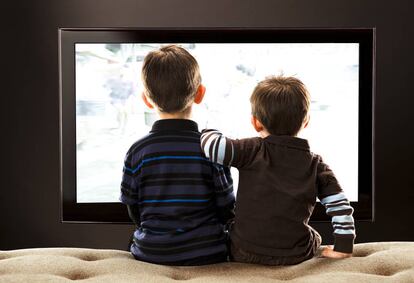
157, 138
138, 145
316, 157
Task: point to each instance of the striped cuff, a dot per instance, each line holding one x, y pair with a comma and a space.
216, 147
338, 207
344, 245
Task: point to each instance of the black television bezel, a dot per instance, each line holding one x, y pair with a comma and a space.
71, 211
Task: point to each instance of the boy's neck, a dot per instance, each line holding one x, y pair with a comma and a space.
178, 115
263, 134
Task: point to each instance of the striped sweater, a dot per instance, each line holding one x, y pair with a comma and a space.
181, 200
280, 180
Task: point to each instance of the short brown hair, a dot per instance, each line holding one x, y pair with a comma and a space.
171, 77
281, 104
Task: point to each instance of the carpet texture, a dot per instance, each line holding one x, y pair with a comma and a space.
372, 262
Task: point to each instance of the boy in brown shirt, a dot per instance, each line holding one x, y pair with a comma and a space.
280, 179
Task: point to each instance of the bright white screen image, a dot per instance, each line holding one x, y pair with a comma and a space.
110, 115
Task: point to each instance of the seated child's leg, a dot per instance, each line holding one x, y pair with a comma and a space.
317, 241
239, 255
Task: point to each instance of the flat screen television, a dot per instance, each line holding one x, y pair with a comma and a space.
101, 113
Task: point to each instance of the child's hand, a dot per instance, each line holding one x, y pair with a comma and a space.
330, 253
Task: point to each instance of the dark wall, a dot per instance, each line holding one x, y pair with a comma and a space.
29, 196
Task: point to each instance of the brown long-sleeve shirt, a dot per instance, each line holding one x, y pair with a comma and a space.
279, 182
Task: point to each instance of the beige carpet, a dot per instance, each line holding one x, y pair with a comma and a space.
372, 262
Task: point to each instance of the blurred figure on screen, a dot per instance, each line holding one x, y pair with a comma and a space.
120, 89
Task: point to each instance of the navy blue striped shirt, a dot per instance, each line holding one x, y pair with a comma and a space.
184, 200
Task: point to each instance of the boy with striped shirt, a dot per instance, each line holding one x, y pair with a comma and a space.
279, 181
179, 200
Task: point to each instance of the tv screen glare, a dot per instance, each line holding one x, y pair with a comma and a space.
103, 113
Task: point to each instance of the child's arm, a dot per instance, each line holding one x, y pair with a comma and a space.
225, 199
338, 207
228, 152
129, 192
133, 212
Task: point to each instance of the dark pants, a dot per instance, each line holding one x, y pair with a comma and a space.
239, 255
211, 259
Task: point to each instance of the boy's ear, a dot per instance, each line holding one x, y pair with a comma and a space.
256, 124
200, 94
145, 99
306, 122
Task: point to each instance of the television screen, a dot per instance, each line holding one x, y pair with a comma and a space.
107, 114
110, 115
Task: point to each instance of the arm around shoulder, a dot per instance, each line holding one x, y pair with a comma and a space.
217, 147
228, 152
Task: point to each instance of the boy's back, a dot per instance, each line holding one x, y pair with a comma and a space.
179, 194
280, 180
277, 192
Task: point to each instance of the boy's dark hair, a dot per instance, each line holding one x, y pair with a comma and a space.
171, 77
281, 104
